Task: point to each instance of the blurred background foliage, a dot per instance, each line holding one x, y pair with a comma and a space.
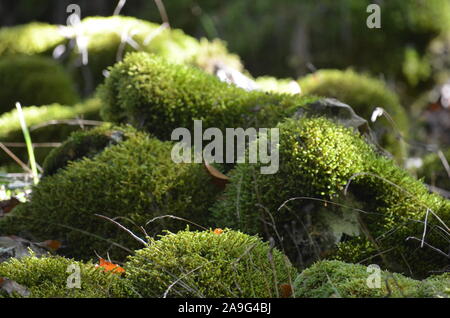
287, 38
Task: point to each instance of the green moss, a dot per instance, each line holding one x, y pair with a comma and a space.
47, 277
337, 279
150, 93
317, 160
133, 181
434, 172
84, 144
272, 84
363, 94
206, 264
11, 132
34, 80
29, 39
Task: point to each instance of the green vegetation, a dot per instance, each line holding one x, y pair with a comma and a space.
151, 93
433, 171
209, 264
337, 279
34, 80
10, 131
318, 159
29, 39
47, 277
133, 182
83, 144
363, 94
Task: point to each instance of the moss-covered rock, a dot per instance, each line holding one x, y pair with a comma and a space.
209, 264
364, 94
29, 39
151, 93
34, 80
133, 182
48, 277
337, 279
383, 208
47, 124
84, 144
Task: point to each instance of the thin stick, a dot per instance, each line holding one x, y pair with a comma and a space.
119, 7
162, 12
14, 157
35, 145
425, 228
72, 122
444, 162
137, 238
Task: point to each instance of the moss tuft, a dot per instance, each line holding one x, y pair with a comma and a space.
327, 279
318, 159
207, 264
47, 277
363, 94
34, 80
133, 181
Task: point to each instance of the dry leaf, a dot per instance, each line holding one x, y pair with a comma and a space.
218, 231
218, 178
52, 245
8, 205
110, 267
11, 287
285, 290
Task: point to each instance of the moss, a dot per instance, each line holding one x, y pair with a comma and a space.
206, 264
150, 93
133, 181
363, 94
317, 160
11, 132
337, 279
83, 144
272, 84
29, 39
434, 172
47, 277
34, 80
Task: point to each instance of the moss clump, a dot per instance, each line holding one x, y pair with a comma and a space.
47, 277
337, 279
29, 39
83, 144
208, 264
433, 171
34, 80
272, 84
317, 159
364, 94
35, 116
151, 93
133, 181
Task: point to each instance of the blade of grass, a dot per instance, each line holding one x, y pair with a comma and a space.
27, 137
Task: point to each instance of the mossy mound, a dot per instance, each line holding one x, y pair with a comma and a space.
84, 144
318, 159
153, 94
29, 39
34, 80
47, 277
133, 182
47, 125
364, 94
278, 85
327, 279
209, 264
433, 171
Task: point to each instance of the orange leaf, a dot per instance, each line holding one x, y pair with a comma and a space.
52, 244
218, 231
110, 267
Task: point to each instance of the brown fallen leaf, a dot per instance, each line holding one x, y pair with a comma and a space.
13, 288
285, 290
17, 247
218, 178
52, 245
8, 205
